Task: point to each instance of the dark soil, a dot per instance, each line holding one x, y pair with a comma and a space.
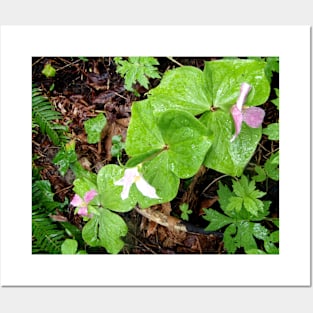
81, 90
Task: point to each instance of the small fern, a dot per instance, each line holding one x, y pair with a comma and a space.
44, 116
47, 235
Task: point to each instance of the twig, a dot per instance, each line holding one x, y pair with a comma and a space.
173, 60
212, 182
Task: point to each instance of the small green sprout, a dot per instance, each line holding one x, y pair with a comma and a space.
184, 207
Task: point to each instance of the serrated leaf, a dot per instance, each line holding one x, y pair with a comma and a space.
272, 131
63, 159
261, 174
224, 195
137, 69
271, 166
94, 127
260, 232
234, 204
270, 247
216, 219
244, 237
229, 241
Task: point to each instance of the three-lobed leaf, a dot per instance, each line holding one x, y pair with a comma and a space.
105, 230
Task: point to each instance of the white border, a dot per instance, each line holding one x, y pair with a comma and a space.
290, 268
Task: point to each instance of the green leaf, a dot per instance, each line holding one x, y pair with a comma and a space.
110, 194
271, 166
270, 246
216, 219
224, 195
260, 232
229, 241
176, 134
156, 172
186, 142
254, 251
182, 88
244, 237
247, 197
184, 207
117, 146
276, 101
63, 159
106, 231
94, 128
272, 131
48, 70
143, 135
274, 236
83, 185
224, 78
137, 69
195, 91
235, 204
224, 156
261, 174
69, 246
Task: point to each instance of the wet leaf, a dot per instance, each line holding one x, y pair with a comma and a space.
48, 70
105, 231
94, 128
69, 246
224, 156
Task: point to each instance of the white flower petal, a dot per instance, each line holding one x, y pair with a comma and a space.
146, 189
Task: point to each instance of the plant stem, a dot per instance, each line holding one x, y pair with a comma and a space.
173, 60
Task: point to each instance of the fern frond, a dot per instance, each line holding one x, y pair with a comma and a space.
42, 196
44, 115
48, 236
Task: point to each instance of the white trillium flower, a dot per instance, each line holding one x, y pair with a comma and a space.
132, 176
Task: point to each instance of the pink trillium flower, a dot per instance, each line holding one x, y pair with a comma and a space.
132, 176
252, 116
83, 203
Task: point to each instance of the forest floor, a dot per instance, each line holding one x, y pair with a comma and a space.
83, 88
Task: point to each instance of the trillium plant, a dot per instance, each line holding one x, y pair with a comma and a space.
193, 118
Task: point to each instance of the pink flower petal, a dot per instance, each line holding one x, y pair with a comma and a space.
76, 201
237, 116
89, 195
83, 211
244, 90
253, 116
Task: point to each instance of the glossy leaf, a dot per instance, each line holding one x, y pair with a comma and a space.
182, 88
216, 219
143, 135
224, 156
94, 128
69, 246
272, 131
175, 133
110, 194
224, 78
186, 141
